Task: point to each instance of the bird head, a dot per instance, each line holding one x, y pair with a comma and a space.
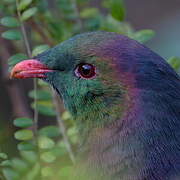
98, 74
83, 70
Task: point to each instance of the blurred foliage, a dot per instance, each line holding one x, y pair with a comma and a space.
175, 63
44, 154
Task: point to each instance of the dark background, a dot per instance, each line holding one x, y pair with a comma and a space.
163, 16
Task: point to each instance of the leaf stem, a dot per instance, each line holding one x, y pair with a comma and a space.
28, 50
76, 11
24, 33
62, 127
35, 107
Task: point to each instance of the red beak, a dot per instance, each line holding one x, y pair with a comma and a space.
29, 69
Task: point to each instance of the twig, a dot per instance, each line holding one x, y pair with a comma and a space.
28, 49
35, 106
62, 127
76, 11
39, 29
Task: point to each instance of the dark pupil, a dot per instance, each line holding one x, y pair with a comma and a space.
86, 69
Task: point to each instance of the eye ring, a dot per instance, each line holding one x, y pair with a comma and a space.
85, 71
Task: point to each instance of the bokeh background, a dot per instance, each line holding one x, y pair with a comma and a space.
162, 16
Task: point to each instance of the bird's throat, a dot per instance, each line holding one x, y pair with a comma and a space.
98, 114
104, 136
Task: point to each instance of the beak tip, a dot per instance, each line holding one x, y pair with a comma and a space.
13, 72
11, 76
31, 68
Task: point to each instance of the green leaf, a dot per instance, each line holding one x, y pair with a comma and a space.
39, 49
46, 103
19, 165
23, 122
62, 148
47, 172
45, 110
30, 156
175, 62
13, 60
10, 174
24, 4
41, 95
48, 157
49, 131
26, 146
28, 13
110, 24
143, 35
9, 1
45, 142
66, 115
117, 9
3, 156
10, 22
89, 12
6, 163
42, 83
72, 133
34, 173
12, 35
64, 172
24, 134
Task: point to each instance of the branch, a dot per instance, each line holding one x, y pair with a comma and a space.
28, 49
61, 125
76, 11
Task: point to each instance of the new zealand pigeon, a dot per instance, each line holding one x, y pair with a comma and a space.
125, 100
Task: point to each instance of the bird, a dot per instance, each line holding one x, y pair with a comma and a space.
124, 99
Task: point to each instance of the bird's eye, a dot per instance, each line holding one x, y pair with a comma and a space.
85, 71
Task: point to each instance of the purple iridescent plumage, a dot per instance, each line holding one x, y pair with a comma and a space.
128, 116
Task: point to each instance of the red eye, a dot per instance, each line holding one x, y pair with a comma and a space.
85, 71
